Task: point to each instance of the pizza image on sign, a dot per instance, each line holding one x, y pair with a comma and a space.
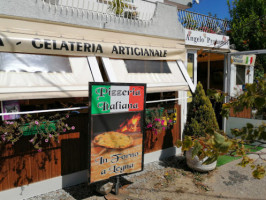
113, 140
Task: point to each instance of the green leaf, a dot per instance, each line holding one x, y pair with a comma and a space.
210, 160
249, 126
245, 161
225, 147
259, 172
179, 143
196, 148
187, 143
259, 102
218, 138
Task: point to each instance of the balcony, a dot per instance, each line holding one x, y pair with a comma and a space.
129, 11
203, 23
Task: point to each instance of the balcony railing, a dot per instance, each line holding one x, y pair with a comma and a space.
204, 23
136, 11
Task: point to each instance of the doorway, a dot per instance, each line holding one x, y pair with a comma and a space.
210, 74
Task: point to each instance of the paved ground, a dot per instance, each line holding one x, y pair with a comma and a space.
234, 182
171, 179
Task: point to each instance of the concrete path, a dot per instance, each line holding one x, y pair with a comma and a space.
234, 182
228, 182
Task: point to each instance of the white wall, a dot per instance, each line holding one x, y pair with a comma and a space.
235, 122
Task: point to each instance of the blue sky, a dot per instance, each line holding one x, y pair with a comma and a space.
218, 7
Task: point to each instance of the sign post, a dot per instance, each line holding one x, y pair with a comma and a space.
116, 119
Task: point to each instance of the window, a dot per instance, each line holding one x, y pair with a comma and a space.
190, 65
17, 62
191, 70
29, 76
160, 76
216, 74
240, 74
147, 66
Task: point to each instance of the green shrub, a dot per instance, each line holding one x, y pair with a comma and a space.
201, 115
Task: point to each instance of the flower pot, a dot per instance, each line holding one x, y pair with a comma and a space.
196, 164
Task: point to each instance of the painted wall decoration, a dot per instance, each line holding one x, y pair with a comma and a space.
197, 38
116, 129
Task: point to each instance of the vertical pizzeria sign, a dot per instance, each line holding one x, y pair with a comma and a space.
116, 129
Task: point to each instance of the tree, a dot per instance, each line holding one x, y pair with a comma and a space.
254, 96
248, 24
247, 28
201, 115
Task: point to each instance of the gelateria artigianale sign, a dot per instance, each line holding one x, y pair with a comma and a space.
10, 42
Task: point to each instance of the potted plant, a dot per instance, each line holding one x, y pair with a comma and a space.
201, 133
207, 145
202, 152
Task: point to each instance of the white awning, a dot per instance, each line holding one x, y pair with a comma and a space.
30, 78
160, 76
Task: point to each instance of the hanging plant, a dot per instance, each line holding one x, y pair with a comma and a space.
157, 120
42, 128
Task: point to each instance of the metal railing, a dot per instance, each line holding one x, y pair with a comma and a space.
204, 23
139, 11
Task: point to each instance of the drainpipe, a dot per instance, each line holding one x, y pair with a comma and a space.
225, 86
